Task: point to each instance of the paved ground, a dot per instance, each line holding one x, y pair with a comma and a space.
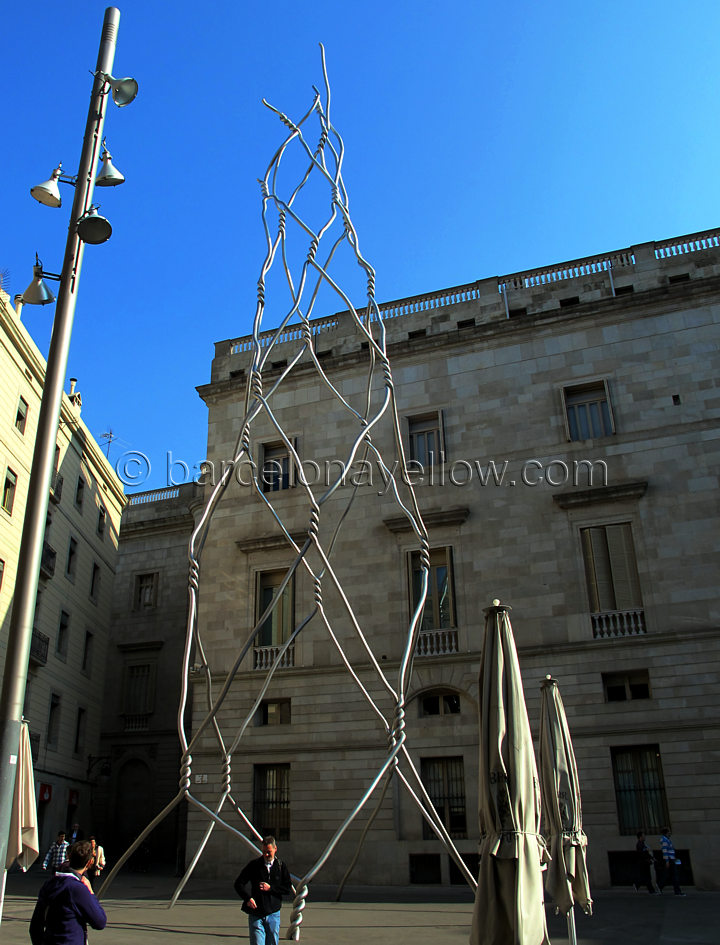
207, 914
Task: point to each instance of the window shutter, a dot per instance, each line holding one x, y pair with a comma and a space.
597, 570
626, 581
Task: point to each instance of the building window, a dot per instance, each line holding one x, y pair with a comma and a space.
621, 687
80, 731
53, 729
276, 468
587, 411
95, 582
86, 664
9, 490
102, 516
612, 579
63, 634
439, 610
639, 789
271, 800
444, 780
425, 439
138, 696
279, 625
439, 703
79, 493
146, 587
2, 571
21, 415
71, 565
273, 712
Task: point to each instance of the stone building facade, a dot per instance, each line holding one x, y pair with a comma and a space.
139, 741
563, 424
66, 681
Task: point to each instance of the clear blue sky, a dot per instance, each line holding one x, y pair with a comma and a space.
481, 139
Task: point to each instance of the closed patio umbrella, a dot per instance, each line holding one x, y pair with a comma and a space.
23, 843
567, 877
509, 908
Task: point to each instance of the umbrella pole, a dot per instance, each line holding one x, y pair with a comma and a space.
572, 937
2, 893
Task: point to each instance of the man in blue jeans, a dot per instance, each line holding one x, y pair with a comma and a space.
261, 886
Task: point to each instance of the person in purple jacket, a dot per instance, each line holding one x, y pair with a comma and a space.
66, 904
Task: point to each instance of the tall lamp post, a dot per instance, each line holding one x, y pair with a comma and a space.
85, 226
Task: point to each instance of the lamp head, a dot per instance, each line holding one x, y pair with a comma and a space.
92, 228
37, 293
48, 193
123, 90
108, 176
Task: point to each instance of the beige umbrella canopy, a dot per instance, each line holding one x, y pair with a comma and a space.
567, 877
23, 844
509, 908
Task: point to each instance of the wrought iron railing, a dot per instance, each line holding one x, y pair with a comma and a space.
39, 644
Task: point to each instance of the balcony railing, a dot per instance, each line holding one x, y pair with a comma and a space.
56, 484
619, 623
265, 656
47, 561
39, 644
137, 722
437, 642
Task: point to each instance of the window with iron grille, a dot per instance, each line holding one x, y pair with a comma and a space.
271, 800
610, 568
138, 695
639, 789
587, 411
439, 610
102, 515
21, 415
444, 780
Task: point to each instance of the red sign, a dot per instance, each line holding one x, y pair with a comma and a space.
45, 793
73, 798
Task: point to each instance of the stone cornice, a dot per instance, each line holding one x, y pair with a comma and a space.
269, 542
433, 518
614, 493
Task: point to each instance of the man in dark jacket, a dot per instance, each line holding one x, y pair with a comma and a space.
66, 904
261, 886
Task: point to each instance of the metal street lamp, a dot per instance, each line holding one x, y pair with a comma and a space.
85, 226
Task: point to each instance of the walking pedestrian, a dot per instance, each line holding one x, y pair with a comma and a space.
55, 856
261, 886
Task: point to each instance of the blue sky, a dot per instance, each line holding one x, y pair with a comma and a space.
480, 139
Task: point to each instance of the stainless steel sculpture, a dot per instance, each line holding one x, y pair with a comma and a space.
324, 162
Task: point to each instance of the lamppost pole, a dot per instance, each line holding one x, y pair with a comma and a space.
28, 571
